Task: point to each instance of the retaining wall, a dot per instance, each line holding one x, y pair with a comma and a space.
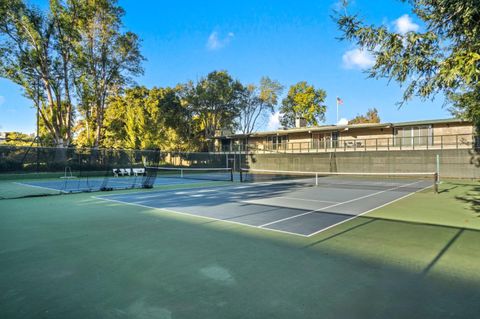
461, 163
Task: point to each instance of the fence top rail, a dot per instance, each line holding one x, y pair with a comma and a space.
161, 168
339, 173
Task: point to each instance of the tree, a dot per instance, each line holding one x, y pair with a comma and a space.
32, 55
444, 58
303, 101
105, 61
257, 103
146, 119
18, 139
215, 102
370, 117
73, 53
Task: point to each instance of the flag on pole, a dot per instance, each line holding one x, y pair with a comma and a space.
339, 102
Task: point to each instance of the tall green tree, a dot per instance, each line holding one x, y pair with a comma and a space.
144, 118
215, 102
257, 102
445, 57
370, 117
33, 54
304, 101
74, 53
106, 59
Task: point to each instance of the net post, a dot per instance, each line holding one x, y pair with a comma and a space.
437, 173
436, 182
316, 179
181, 173
231, 174
241, 175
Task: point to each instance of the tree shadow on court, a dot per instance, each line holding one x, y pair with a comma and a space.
365, 221
447, 189
471, 198
217, 272
211, 198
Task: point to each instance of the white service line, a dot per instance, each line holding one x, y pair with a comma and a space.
338, 204
200, 189
308, 200
198, 216
366, 212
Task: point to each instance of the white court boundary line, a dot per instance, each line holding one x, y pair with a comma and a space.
43, 187
261, 226
366, 212
338, 204
198, 216
303, 199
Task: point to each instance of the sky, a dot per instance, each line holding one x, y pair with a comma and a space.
288, 41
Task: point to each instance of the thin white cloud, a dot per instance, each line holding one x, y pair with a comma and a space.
274, 121
342, 121
215, 42
357, 59
405, 24
2, 100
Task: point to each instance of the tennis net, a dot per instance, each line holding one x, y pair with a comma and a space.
412, 181
210, 174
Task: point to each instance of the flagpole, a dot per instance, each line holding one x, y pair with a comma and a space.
337, 111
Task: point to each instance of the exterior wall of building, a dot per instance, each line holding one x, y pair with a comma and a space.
415, 135
452, 128
453, 134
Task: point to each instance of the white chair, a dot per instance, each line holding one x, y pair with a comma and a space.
138, 171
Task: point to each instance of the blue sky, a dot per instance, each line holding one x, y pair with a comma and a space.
285, 40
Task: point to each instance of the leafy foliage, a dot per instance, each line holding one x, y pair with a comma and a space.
105, 60
444, 58
18, 139
214, 102
32, 56
304, 101
73, 53
370, 117
147, 119
257, 103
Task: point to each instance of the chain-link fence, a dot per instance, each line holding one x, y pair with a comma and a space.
27, 171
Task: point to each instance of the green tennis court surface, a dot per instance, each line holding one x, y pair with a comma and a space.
78, 256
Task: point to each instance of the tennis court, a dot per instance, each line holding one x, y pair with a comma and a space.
301, 207
251, 249
156, 176
82, 185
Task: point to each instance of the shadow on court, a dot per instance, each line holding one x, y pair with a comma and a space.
107, 260
365, 221
284, 207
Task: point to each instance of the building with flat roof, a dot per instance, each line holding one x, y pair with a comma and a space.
426, 134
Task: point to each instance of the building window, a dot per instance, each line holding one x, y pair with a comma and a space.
335, 136
276, 142
413, 135
325, 140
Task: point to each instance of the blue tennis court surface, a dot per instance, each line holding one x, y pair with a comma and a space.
68, 185
280, 206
